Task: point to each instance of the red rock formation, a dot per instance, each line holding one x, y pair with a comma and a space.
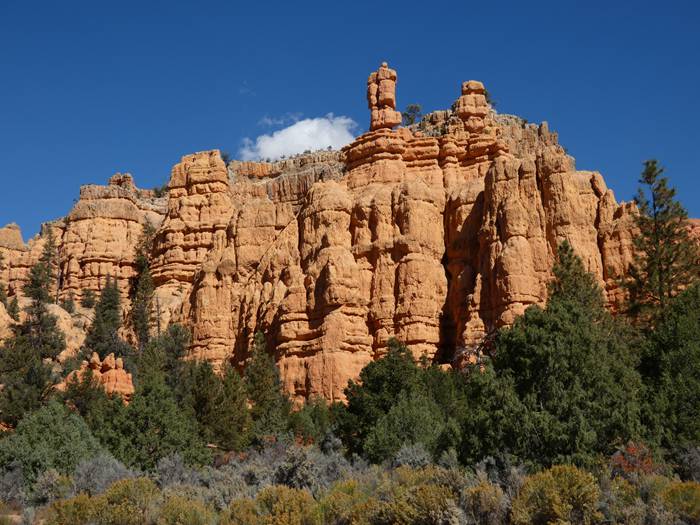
437, 234
94, 241
101, 232
381, 98
109, 373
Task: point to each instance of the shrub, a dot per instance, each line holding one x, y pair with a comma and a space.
621, 502
35, 449
424, 503
95, 475
348, 501
182, 511
128, 501
689, 463
683, 498
288, 506
172, 470
307, 468
12, 484
80, 510
485, 504
633, 459
412, 455
277, 505
560, 494
242, 512
219, 487
50, 486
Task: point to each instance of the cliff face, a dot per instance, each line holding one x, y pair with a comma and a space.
436, 234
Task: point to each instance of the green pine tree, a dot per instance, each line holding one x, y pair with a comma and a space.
167, 352
220, 405
156, 427
24, 372
143, 288
313, 421
41, 276
671, 373
378, 389
270, 406
13, 309
88, 299
667, 258
3, 286
105, 415
572, 367
103, 335
26, 379
40, 328
231, 421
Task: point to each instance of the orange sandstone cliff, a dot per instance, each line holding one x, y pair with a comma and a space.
437, 234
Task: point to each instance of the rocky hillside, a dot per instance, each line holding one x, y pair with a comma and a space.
437, 234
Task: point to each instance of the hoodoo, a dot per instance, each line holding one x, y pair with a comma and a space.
437, 234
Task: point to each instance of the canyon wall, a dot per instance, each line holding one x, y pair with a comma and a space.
437, 233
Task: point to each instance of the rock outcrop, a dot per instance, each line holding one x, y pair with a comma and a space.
438, 234
94, 241
381, 97
109, 373
101, 232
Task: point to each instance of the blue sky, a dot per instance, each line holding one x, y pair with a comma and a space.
91, 88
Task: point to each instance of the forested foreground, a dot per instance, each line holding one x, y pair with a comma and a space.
572, 415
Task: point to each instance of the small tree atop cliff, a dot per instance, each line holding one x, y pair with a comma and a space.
411, 114
667, 258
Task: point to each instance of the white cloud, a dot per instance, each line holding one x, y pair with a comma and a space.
287, 118
308, 134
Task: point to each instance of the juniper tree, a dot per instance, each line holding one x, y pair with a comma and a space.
667, 258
